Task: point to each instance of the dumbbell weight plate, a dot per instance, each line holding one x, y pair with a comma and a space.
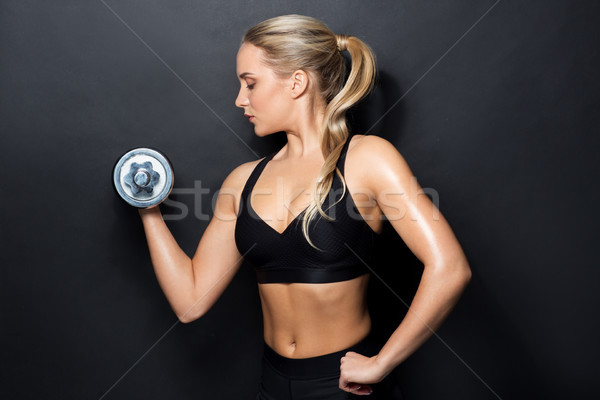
143, 177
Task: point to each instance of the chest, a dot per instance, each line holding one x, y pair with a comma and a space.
280, 195
279, 239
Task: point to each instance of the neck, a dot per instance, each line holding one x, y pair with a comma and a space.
304, 138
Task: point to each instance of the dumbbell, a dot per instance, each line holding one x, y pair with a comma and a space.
143, 177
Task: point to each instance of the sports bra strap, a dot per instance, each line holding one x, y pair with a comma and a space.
342, 159
257, 171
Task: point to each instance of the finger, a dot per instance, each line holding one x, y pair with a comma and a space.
363, 389
348, 386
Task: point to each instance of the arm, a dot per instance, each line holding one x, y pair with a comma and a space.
193, 285
427, 234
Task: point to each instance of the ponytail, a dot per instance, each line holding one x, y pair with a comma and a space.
334, 131
292, 42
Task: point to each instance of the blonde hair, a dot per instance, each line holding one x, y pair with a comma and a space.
292, 42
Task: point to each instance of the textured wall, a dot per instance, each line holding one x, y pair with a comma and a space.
493, 104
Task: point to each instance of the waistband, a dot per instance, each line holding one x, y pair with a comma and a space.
323, 365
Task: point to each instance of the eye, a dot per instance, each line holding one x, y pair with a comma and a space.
250, 86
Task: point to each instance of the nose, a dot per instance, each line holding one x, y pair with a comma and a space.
241, 99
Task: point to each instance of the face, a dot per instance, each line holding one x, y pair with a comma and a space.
263, 96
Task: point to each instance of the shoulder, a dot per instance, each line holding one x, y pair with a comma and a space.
375, 153
233, 185
237, 177
377, 161
365, 144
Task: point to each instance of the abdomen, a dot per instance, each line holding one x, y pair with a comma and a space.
306, 320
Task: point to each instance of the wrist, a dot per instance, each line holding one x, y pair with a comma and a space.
149, 211
385, 365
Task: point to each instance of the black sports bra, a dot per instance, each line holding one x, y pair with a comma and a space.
347, 241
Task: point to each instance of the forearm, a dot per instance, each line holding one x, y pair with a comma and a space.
438, 293
173, 268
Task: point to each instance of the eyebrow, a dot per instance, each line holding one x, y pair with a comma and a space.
244, 74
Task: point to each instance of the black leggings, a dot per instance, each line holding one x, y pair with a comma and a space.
312, 378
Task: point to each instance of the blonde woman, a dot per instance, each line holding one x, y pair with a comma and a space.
306, 217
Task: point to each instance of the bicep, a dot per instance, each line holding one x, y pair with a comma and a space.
217, 250
217, 258
413, 215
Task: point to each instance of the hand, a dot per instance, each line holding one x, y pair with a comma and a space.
149, 211
358, 372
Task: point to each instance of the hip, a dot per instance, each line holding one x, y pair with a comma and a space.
312, 378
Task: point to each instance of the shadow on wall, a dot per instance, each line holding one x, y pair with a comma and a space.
476, 331
381, 113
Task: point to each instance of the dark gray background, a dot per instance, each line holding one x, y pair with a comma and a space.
498, 116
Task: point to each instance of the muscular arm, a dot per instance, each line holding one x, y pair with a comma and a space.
428, 235
193, 285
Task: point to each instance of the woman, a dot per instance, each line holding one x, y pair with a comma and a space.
306, 217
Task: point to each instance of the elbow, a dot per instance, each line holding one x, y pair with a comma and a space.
190, 314
458, 272
466, 278
186, 318
463, 272
468, 275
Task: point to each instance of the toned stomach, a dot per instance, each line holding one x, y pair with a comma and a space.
310, 319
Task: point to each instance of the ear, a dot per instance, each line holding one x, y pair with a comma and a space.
298, 83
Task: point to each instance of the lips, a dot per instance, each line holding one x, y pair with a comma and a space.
250, 117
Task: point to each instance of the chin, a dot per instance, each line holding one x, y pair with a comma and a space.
262, 133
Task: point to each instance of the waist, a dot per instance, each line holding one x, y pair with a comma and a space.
318, 366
